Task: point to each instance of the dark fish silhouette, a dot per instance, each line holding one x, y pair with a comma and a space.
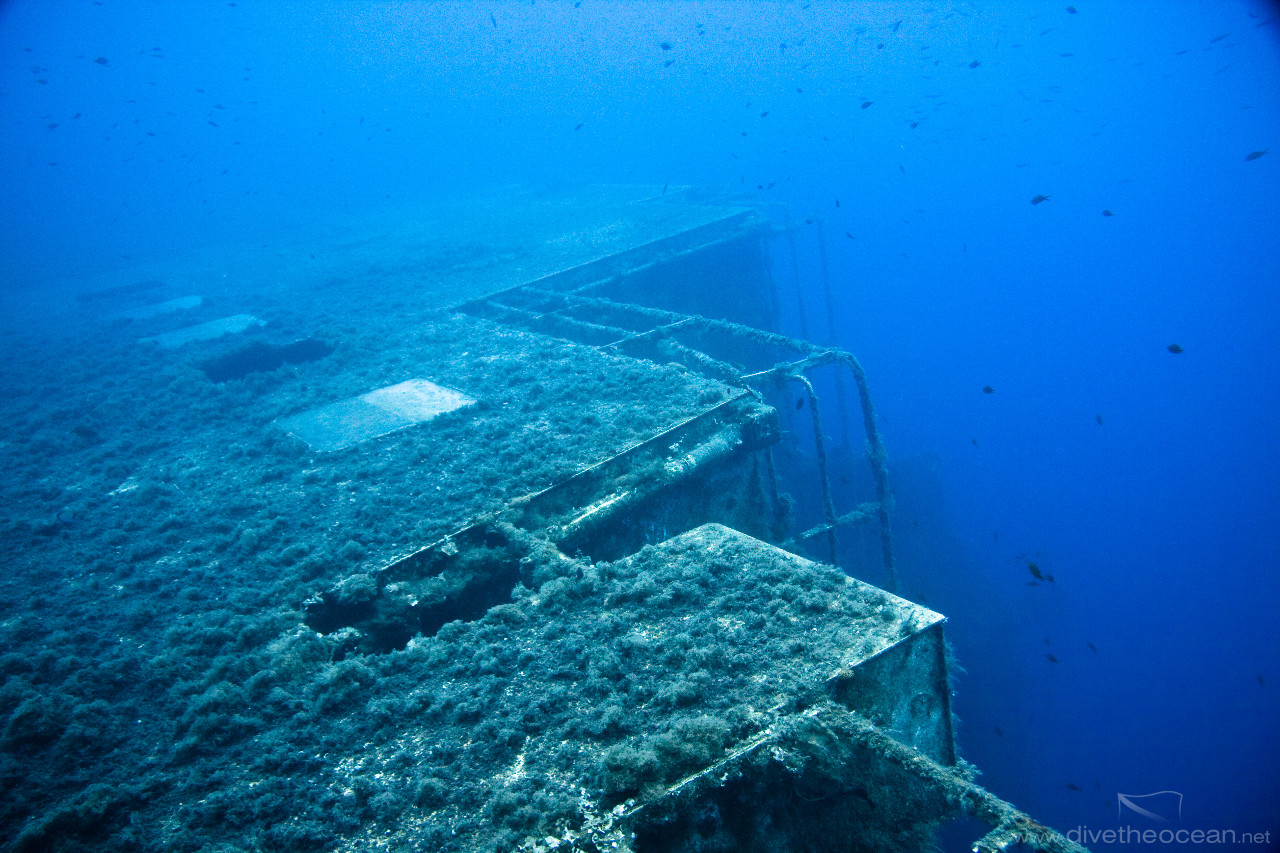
866, 104
1035, 571
1098, 418
1107, 213
1091, 646
799, 403
493, 20
850, 236
1254, 155
578, 126
974, 64
1175, 349
1262, 682
998, 732
665, 45
987, 389
1072, 786
1039, 198
1052, 659
101, 60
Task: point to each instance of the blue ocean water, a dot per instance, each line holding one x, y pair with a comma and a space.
916, 136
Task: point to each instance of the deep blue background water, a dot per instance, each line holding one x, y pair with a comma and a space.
1145, 482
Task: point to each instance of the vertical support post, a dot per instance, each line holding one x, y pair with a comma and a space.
879, 466
842, 402
828, 507
795, 278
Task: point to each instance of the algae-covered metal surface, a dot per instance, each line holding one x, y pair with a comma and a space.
608, 684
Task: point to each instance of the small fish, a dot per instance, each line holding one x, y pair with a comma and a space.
493, 20
1098, 418
975, 441
1072, 786
1218, 38
1035, 571
578, 126
850, 236
974, 64
666, 45
1107, 213
987, 389
799, 403
1091, 646
837, 202
1071, 10
1052, 659
866, 104
1039, 198
1254, 155
101, 60
1262, 682
998, 732
764, 114
1175, 349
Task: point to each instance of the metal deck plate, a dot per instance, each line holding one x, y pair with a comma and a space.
155, 309
346, 423
205, 331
